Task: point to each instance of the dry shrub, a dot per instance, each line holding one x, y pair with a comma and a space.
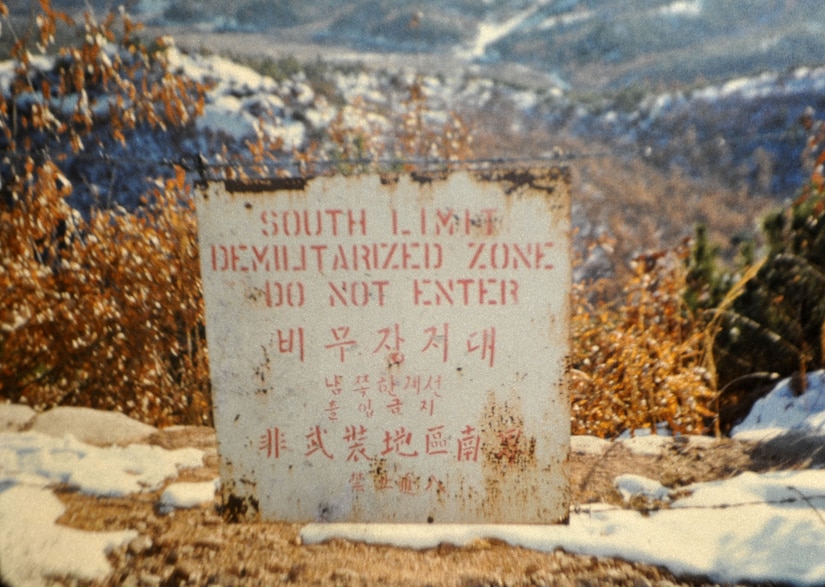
105, 313
359, 137
637, 360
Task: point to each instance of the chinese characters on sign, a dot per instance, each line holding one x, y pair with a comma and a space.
390, 349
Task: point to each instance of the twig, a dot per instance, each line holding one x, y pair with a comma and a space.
808, 501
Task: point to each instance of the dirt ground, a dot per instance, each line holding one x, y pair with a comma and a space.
196, 547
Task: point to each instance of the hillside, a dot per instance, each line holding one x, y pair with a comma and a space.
712, 88
592, 44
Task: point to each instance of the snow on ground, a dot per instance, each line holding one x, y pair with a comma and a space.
566, 19
682, 8
801, 80
753, 527
744, 529
782, 411
630, 486
187, 495
32, 545
489, 33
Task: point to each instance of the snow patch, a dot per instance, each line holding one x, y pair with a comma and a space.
566, 19
32, 546
781, 411
589, 445
113, 471
781, 542
682, 8
630, 486
490, 33
188, 495
650, 445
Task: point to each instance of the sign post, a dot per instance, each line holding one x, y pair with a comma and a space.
390, 348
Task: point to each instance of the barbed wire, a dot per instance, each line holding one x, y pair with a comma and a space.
206, 163
589, 509
193, 162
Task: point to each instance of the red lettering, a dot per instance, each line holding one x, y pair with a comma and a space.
399, 442
390, 339
319, 255
465, 285
290, 294
364, 257
512, 293
509, 255
360, 293
446, 220
486, 346
296, 228
357, 222
315, 442
489, 219
342, 341
265, 221
291, 341
465, 292
338, 294
438, 339
474, 262
439, 254
521, 255
259, 257
436, 441
406, 255
388, 258
333, 215
396, 231
356, 482
468, 444
332, 410
296, 223
236, 265
272, 442
408, 484
500, 260
340, 260
442, 294
410, 256
355, 437
357, 293
215, 257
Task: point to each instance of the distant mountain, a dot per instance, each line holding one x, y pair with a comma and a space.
592, 44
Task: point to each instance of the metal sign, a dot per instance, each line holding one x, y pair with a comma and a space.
390, 348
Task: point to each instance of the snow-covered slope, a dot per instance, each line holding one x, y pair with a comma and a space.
592, 43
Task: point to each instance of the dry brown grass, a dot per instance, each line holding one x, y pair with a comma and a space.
637, 360
104, 311
107, 314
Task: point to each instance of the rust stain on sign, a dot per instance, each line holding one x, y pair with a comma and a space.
513, 476
390, 348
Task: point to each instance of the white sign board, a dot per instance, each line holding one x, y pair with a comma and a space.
390, 349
